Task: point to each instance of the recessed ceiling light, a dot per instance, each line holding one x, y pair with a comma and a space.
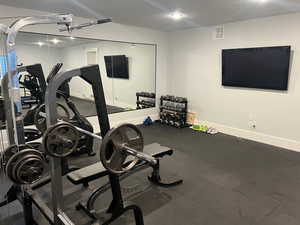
55, 41
40, 43
177, 15
262, 1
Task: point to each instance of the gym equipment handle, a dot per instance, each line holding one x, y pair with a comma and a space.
80, 26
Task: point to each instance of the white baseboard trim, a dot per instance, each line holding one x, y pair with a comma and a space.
256, 136
136, 120
123, 105
119, 118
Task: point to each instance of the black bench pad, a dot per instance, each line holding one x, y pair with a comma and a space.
95, 171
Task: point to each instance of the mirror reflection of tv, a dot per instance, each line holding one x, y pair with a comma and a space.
117, 66
265, 68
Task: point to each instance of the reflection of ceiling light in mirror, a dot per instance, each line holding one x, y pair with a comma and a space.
177, 15
40, 43
55, 41
72, 38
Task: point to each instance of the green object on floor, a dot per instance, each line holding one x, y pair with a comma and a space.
202, 128
196, 127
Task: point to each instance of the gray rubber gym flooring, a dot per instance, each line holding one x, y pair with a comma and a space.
87, 108
227, 181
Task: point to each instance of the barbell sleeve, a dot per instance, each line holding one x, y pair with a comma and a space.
140, 155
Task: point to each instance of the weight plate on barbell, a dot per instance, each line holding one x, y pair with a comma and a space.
17, 158
16, 164
61, 140
112, 154
26, 166
10, 151
29, 170
40, 116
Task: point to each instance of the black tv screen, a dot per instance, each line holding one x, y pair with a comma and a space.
266, 68
117, 66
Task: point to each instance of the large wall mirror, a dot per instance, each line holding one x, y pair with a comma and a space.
127, 69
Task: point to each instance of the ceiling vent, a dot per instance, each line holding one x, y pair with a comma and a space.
218, 33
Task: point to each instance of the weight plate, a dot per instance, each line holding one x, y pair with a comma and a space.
9, 152
61, 140
16, 159
32, 134
113, 156
40, 116
29, 170
17, 166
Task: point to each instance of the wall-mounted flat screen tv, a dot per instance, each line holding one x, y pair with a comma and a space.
265, 68
117, 66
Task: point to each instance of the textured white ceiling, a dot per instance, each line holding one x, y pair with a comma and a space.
152, 13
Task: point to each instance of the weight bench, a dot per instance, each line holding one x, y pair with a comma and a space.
90, 173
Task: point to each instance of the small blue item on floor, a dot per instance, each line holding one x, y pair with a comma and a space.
148, 121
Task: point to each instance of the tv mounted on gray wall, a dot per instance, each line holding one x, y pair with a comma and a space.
265, 68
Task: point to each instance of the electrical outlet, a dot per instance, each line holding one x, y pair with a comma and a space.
252, 124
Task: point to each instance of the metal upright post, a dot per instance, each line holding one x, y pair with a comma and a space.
117, 202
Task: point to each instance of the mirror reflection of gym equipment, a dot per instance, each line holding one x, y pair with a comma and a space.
127, 70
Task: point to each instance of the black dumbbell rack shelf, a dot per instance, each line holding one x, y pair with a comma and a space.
173, 111
175, 101
145, 100
145, 104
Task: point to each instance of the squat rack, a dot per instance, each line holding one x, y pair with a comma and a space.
15, 127
91, 75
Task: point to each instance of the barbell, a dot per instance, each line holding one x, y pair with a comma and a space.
121, 148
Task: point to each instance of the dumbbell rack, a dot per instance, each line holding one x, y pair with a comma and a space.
145, 100
173, 111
